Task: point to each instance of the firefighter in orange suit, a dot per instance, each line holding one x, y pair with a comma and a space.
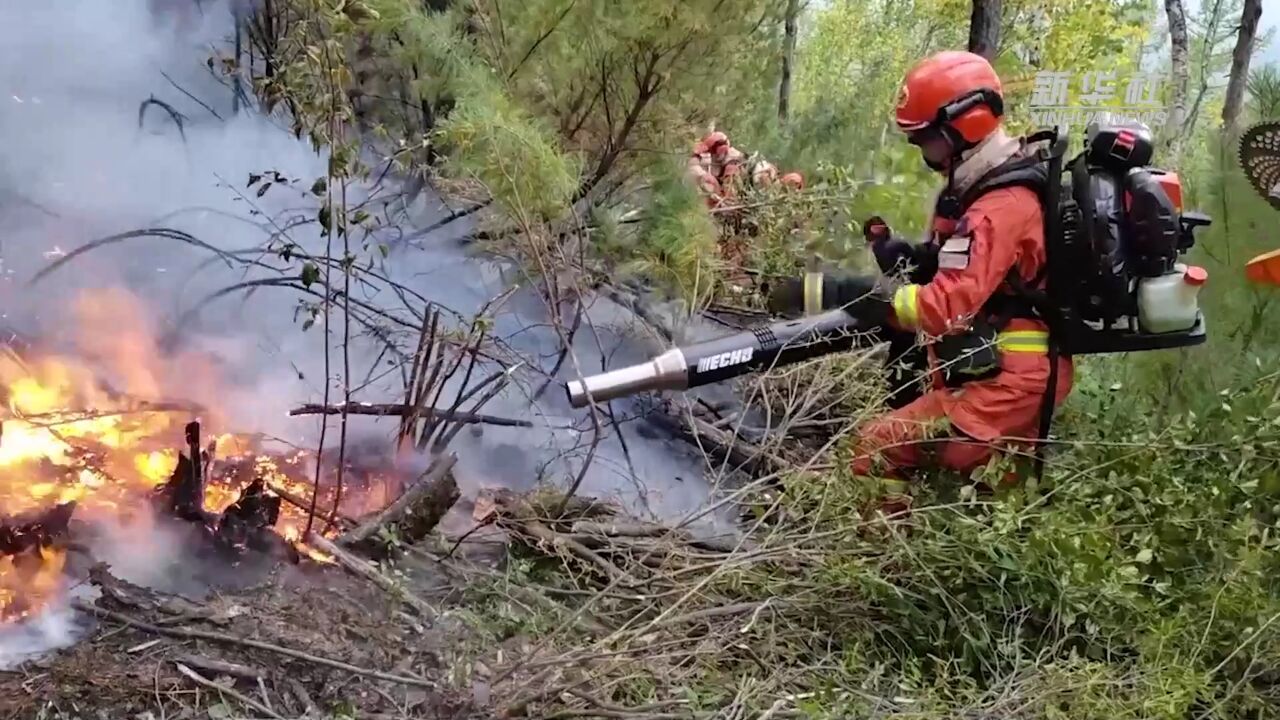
987, 349
717, 168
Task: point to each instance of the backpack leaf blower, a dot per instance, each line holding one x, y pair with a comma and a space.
711, 361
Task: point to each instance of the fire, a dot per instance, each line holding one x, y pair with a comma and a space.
66, 438
28, 581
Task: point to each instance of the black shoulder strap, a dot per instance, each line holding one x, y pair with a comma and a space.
1025, 171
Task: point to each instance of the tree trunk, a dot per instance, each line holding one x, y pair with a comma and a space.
1181, 75
984, 28
1240, 65
1209, 49
788, 59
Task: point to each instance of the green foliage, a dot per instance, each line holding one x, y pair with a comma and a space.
624, 80
1264, 92
1137, 581
516, 161
676, 243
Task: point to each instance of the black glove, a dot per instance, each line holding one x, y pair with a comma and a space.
862, 296
785, 297
895, 255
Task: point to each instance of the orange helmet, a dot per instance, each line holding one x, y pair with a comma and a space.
952, 89
711, 143
793, 179
731, 159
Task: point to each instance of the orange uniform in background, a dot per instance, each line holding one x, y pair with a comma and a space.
717, 169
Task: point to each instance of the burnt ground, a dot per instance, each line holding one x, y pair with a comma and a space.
118, 671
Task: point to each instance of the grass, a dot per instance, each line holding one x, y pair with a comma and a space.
1137, 579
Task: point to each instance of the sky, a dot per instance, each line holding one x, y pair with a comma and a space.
1270, 19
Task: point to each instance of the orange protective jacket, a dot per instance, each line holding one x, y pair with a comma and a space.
1002, 230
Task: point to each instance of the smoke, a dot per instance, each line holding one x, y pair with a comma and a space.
79, 161
54, 628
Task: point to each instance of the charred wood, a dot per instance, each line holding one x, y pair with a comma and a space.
183, 495
23, 533
418, 510
247, 524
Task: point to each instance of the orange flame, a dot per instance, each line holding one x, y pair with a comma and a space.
60, 441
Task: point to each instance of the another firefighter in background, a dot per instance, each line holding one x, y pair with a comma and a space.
720, 170
987, 349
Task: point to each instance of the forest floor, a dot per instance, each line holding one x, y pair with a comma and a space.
308, 641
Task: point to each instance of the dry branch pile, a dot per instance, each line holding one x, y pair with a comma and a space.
643, 612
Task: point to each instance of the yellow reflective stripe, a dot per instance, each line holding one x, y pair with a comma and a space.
812, 293
906, 306
1028, 341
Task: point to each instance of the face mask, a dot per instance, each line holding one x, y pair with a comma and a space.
921, 141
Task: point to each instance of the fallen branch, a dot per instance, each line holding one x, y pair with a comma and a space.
554, 540
221, 667
638, 529
248, 701
395, 410
187, 634
368, 571
305, 505
721, 444
433, 495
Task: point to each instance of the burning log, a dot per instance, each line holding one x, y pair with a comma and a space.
30, 569
395, 410
183, 495
248, 523
416, 512
304, 504
23, 533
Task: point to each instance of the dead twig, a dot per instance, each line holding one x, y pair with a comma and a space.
177, 117
367, 570
396, 410
248, 701
220, 666
189, 634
